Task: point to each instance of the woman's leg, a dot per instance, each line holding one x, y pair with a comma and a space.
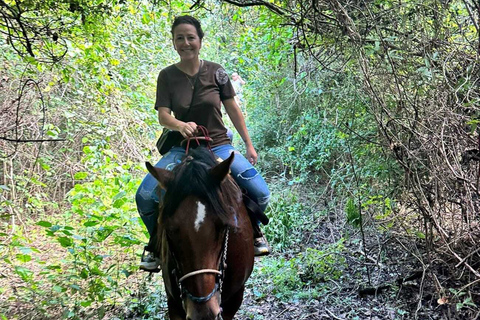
149, 194
246, 176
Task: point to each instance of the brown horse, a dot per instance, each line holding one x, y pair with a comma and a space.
205, 238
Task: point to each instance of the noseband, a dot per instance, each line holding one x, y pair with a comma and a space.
218, 281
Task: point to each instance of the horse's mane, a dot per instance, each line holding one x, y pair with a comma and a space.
192, 178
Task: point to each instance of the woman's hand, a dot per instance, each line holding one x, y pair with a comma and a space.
187, 129
252, 155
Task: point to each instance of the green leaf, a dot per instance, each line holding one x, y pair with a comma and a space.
353, 214
80, 175
24, 273
85, 303
120, 202
420, 235
101, 312
91, 223
84, 273
45, 224
75, 287
23, 258
119, 195
54, 267
59, 289
146, 18
65, 242
66, 232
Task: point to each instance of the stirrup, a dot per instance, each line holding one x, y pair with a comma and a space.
149, 262
261, 247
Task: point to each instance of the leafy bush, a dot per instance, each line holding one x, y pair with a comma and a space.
287, 219
100, 234
310, 271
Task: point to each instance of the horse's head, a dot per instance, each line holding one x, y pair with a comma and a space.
199, 209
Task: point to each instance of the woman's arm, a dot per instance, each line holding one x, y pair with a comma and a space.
187, 129
238, 121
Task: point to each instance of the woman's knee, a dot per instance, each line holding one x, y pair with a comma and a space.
144, 201
256, 188
146, 197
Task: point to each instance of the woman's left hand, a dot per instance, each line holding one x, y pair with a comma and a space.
252, 155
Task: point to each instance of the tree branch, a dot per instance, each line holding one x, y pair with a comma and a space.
30, 140
270, 6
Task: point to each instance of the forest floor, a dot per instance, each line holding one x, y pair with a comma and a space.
387, 290
397, 289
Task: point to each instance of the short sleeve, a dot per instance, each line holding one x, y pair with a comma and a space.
163, 98
224, 84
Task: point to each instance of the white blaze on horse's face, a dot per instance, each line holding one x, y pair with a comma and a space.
200, 215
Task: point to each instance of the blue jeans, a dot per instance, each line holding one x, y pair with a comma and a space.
243, 172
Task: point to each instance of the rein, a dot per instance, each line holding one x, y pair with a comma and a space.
205, 137
219, 279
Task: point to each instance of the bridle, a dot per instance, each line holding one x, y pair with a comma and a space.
218, 281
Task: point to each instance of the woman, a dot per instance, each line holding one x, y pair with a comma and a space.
210, 86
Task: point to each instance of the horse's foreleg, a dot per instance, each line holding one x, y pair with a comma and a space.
174, 311
231, 306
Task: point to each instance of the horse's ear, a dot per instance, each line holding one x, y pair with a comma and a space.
220, 171
163, 176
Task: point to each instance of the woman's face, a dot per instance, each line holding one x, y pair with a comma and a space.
186, 41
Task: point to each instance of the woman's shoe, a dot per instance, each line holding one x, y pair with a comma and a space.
261, 247
149, 262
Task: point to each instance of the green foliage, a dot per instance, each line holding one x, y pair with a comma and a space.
312, 146
46, 29
288, 218
149, 302
353, 213
100, 227
94, 234
306, 275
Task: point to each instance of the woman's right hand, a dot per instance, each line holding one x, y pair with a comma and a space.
187, 129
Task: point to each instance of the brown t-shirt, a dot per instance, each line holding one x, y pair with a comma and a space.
212, 86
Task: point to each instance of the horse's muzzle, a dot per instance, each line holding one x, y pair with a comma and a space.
209, 310
218, 317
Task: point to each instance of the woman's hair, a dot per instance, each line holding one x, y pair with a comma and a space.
188, 20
